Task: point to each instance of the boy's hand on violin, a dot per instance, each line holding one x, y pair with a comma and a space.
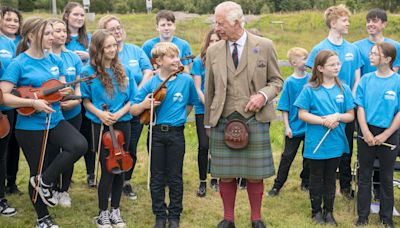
147, 102
369, 138
107, 118
42, 106
381, 138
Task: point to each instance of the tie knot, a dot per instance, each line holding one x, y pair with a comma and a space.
235, 44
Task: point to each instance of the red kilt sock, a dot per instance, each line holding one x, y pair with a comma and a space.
255, 192
227, 191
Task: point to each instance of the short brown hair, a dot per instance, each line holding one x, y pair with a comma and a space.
164, 48
165, 14
334, 12
296, 52
387, 50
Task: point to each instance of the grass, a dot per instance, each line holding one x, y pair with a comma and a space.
290, 209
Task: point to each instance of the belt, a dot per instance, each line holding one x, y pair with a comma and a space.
167, 128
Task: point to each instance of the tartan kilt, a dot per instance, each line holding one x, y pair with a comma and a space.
253, 162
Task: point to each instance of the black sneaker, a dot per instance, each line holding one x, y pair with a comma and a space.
173, 223
201, 191
90, 181
128, 192
160, 223
46, 222
45, 192
5, 209
214, 184
387, 224
103, 220
13, 189
362, 221
273, 192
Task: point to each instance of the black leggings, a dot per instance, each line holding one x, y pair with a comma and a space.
64, 135
203, 147
3, 150
86, 131
110, 182
12, 151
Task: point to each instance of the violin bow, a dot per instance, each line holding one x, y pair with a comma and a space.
98, 153
150, 140
322, 140
42, 155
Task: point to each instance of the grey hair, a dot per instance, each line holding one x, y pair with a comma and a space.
233, 12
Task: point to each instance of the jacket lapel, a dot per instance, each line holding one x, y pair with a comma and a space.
253, 51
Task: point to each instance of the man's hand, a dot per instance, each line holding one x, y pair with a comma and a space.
255, 103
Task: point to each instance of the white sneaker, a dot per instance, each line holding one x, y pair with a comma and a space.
46, 222
103, 220
45, 192
64, 200
5, 209
115, 218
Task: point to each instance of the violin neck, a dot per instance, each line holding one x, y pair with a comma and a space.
56, 88
113, 138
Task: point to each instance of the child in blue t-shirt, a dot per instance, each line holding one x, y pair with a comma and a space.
294, 127
168, 142
165, 21
32, 67
114, 87
378, 116
337, 20
325, 104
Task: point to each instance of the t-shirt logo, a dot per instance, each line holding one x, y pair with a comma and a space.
5, 54
349, 57
178, 97
55, 71
340, 98
390, 95
133, 62
71, 71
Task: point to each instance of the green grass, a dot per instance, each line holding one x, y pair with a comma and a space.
290, 209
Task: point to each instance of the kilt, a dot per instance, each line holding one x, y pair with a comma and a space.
253, 162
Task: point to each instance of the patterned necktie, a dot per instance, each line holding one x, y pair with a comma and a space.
235, 56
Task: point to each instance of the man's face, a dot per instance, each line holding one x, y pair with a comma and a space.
341, 25
226, 30
375, 26
165, 28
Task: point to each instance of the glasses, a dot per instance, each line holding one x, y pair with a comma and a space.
119, 28
375, 54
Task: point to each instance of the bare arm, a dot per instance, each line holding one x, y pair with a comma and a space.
356, 81
362, 122
197, 83
288, 130
147, 74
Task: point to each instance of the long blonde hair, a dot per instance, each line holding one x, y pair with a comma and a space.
96, 52
36, 27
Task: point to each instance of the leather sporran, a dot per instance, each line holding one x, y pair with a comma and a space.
236, 134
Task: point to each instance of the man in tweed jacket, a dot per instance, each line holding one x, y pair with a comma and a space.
242, 79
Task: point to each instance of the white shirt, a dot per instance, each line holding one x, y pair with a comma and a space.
240, 44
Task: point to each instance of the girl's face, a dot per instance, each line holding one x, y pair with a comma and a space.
116, 29
110, 47
214, 39
331, 68
48, 38
376, 57
9, 24
76, 18
59, 34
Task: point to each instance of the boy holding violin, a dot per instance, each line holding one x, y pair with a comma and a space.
107, 101
167, 142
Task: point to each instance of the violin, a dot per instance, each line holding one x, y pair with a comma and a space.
49, 91
118, 160
4, 123
159, 95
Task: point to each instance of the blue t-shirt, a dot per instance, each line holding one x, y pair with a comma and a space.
349, 56
180, 93
97, 94
74, 44
379, 97
365, 46
134, 58
27, 71
321, 102
7, 53
73, 67
17, 39
291, 90
199, 71
183, 46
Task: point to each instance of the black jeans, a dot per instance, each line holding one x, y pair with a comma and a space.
387, 158
136, 130
323, 183
74, 146
12, 150
203, 140
345, 161
86, 131
288, 155
3, 152
168, 150
110, 183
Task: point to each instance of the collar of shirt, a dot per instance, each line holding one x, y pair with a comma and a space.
240, 44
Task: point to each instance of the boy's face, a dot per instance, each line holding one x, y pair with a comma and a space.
341, 25
375, 26
165, 28
299, 62
169, 62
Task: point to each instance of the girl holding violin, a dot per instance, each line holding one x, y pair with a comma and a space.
134, 58
71, 109
168, 142
107, 101
34, 66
